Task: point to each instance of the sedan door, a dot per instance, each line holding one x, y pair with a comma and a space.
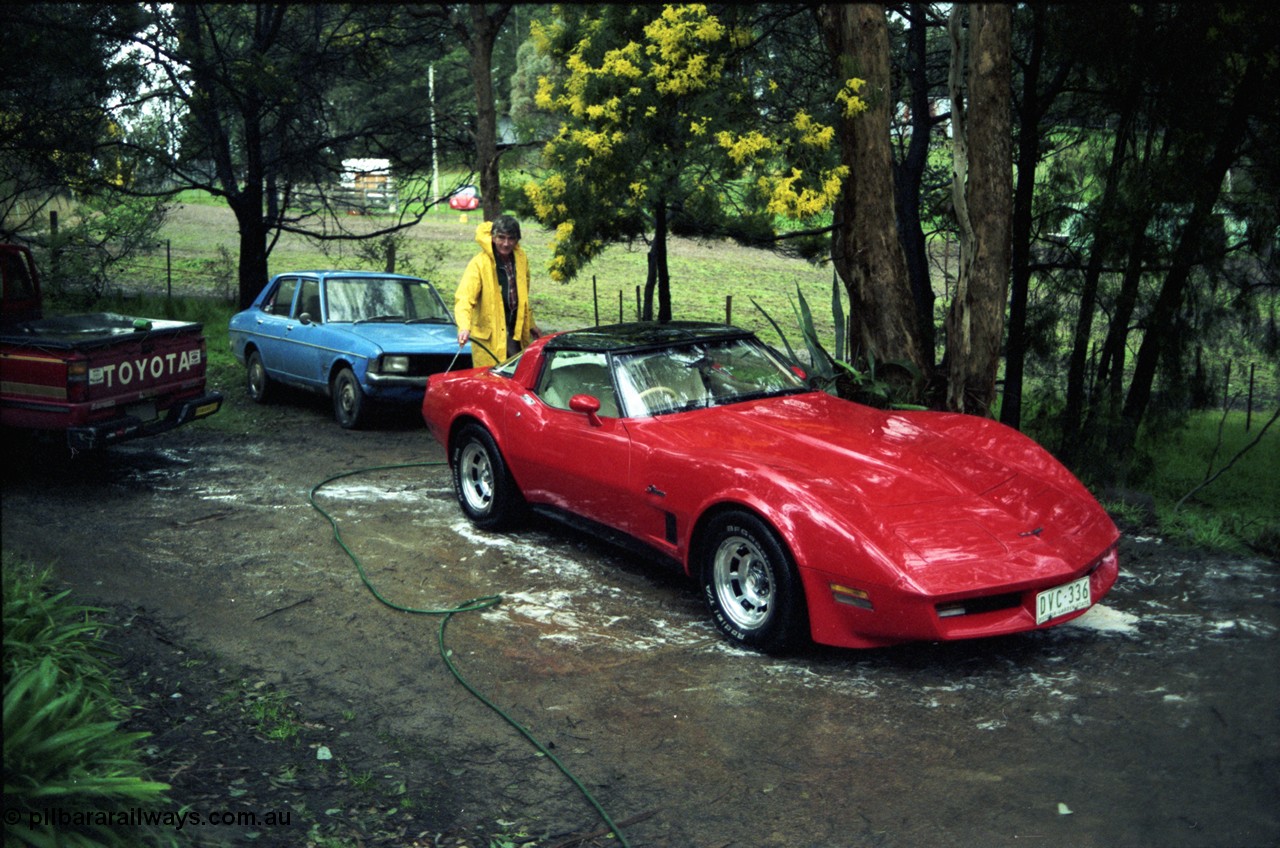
567, 459
304, 357
272, 326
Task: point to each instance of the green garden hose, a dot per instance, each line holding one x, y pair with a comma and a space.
475, 604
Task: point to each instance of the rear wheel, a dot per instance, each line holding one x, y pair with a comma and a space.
350, 407
485, 490
751, 585
256, 379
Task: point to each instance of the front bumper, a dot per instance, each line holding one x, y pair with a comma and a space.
103, 433
894, 615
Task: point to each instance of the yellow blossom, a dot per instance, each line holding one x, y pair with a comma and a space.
850, 96
744, 147
812, 132
789, 198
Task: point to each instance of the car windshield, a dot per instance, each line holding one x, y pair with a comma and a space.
681, 377
391, 299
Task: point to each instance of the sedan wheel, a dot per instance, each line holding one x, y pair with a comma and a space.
256, 379
485, 490
349, 402
750, 584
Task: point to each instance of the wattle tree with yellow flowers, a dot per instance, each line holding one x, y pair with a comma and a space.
670, 124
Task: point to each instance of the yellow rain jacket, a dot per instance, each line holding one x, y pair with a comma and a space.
478, 306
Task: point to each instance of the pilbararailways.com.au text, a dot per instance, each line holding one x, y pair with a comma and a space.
140, 817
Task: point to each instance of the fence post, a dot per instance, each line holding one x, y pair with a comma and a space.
1248, 413
595, 298
54, 250
728, 310
168, 266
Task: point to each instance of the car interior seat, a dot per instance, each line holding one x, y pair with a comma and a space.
579, 377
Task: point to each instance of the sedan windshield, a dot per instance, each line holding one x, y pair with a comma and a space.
384, 299
677, 378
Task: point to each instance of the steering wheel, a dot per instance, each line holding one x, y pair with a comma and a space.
667, 390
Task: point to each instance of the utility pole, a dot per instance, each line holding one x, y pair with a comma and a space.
435, 167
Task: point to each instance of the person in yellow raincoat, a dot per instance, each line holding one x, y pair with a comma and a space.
491, 306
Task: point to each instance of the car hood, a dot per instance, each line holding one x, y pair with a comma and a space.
924, 488
405, 338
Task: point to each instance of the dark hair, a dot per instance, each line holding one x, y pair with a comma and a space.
505, 225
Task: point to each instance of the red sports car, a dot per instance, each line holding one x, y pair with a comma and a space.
801, 515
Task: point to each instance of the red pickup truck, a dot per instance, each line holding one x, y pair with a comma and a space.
100, 378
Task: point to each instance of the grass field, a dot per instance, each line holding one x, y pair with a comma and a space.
201, 241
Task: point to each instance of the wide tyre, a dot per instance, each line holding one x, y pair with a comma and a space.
485, 490
350, 406
256, 379
751, 585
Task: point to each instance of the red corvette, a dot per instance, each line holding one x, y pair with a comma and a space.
801, 515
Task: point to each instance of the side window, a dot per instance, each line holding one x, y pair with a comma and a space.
568, 373
280, 300
309, 301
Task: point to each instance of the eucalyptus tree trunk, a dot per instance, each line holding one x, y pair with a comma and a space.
659, 274
866, 251
910, 177
982, 193
482, 34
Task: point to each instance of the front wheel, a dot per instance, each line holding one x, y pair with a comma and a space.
485, 490
750, 584
350, 407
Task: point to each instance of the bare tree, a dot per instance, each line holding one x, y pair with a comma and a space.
267, 100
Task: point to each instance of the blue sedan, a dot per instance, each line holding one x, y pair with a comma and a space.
359, 337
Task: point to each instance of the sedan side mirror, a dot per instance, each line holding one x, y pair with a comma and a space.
588, 405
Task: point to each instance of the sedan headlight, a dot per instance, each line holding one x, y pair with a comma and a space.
395, 365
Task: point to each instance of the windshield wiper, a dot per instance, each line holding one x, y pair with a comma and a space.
381, 318
429, 320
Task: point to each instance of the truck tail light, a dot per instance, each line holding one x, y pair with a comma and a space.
77, 380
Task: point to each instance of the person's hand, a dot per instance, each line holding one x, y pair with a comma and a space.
463, 335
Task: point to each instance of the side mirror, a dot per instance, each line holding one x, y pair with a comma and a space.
588, 405
304, 318
800, 372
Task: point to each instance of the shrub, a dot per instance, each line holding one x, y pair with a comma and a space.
71, 775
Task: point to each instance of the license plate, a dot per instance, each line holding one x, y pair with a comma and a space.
142, 411
1060, 600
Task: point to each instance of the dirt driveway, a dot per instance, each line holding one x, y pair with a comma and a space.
1152, 722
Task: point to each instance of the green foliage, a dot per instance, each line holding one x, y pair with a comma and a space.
833, 373
100, 233
657, 118
1236, 511
69, 770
